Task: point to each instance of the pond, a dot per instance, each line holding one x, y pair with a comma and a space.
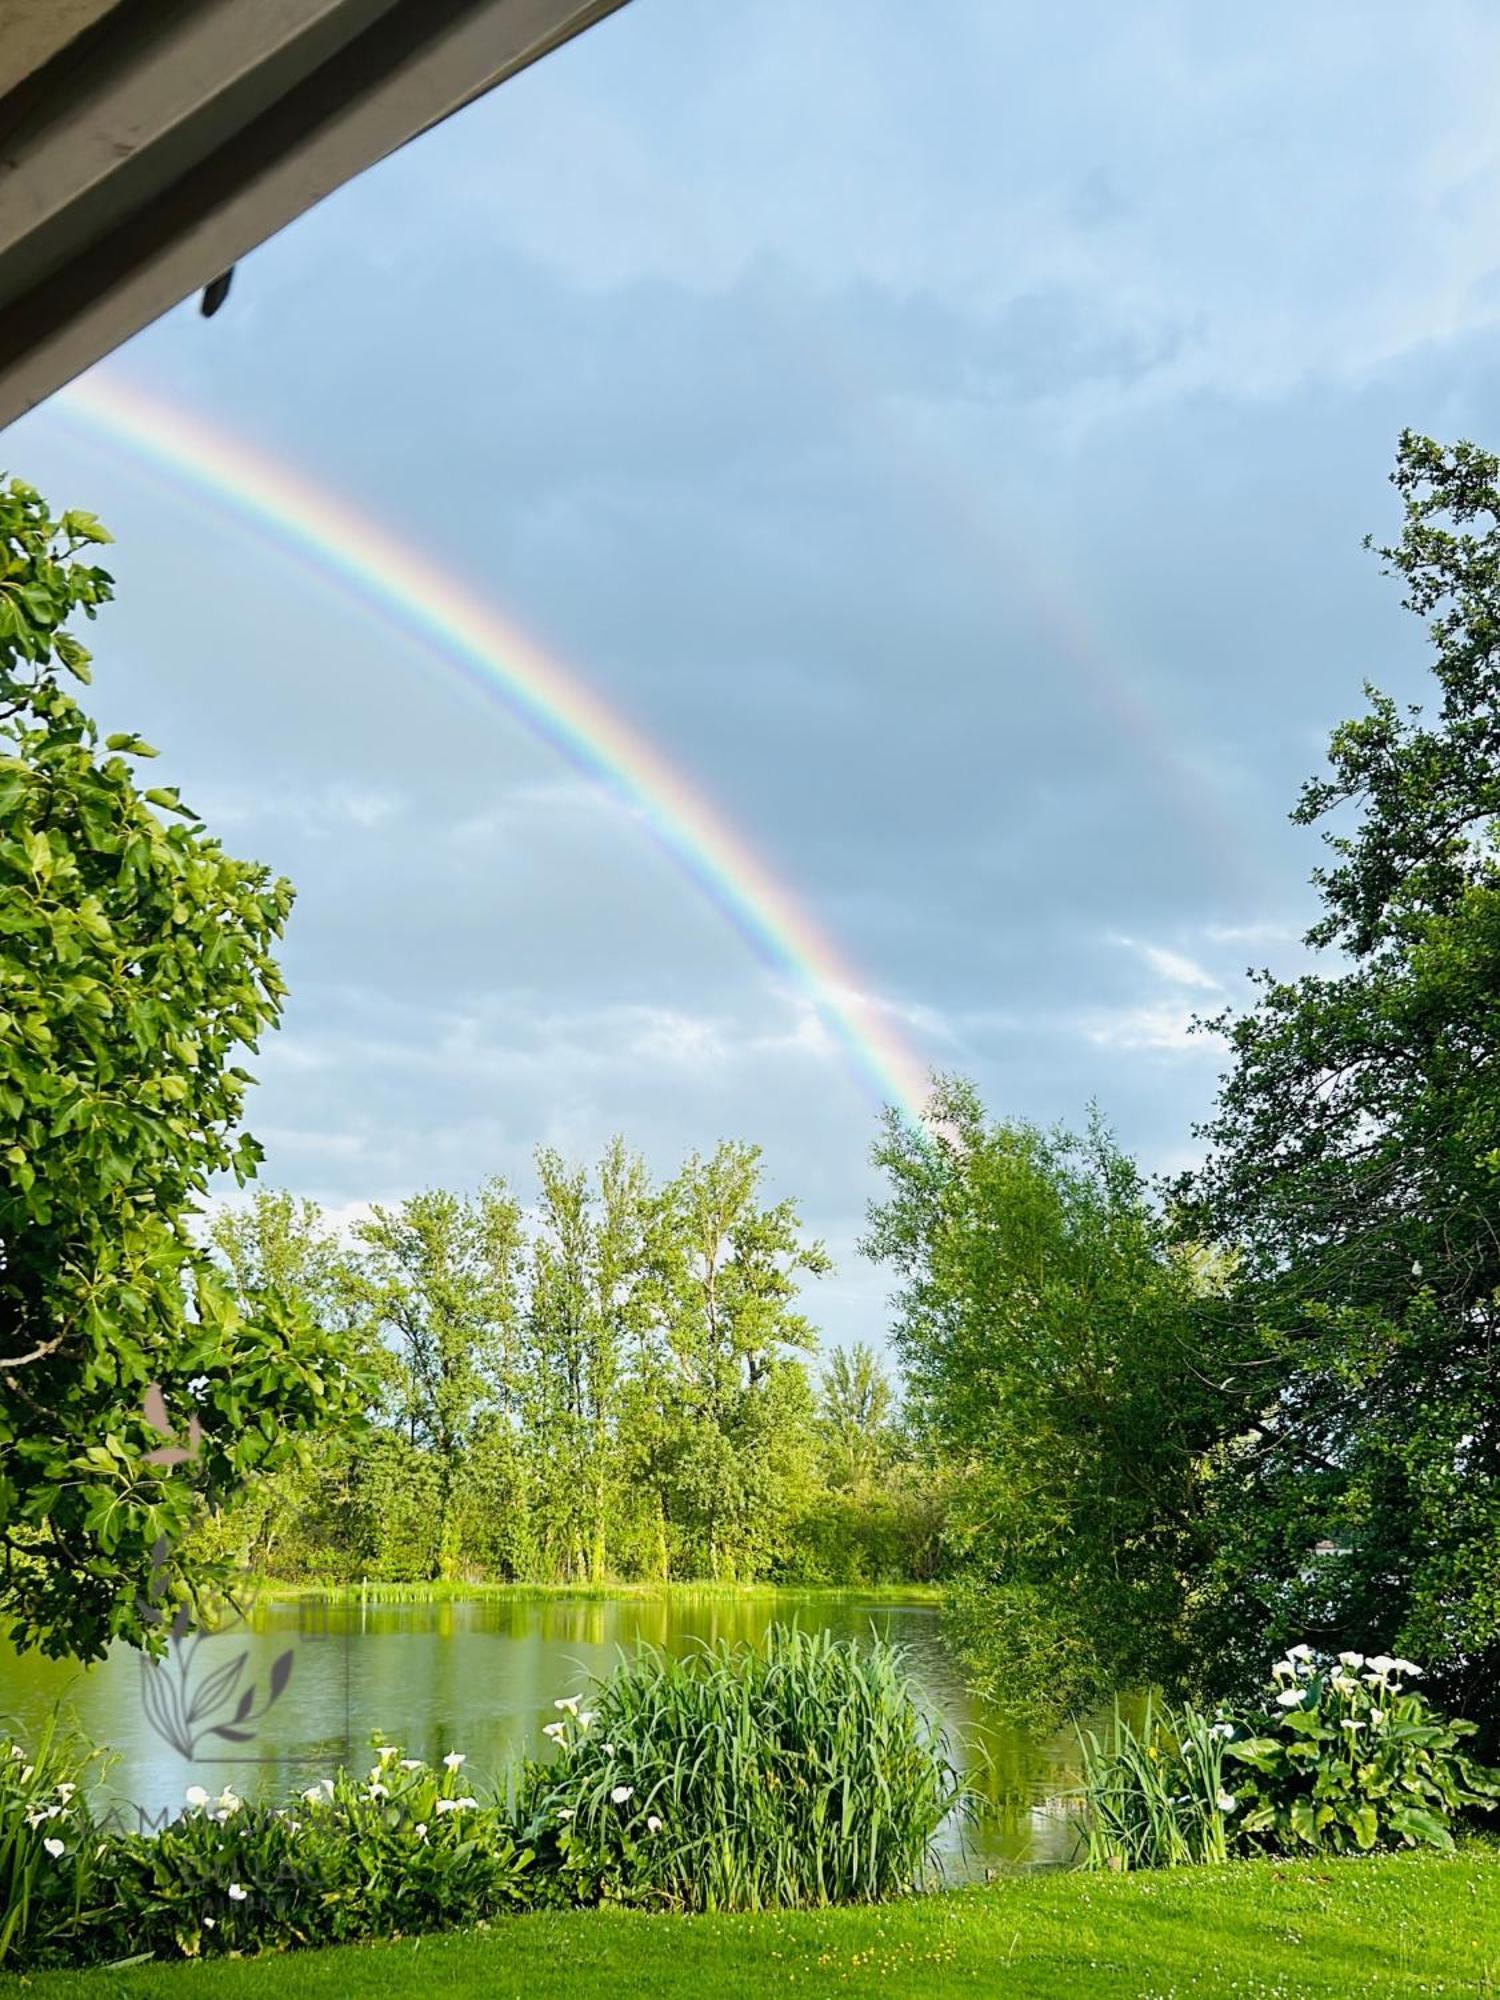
481, 1674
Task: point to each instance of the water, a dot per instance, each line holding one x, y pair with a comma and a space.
480, 1674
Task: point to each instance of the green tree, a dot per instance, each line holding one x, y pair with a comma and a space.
1048, 1335
855, 1408
442, 1273
730, 1429
1355, 1169
136, 965
290, 1523
586, 1272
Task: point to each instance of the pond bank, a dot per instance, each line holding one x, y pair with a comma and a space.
1380, 1925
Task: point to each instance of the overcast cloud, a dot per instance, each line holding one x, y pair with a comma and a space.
947, 432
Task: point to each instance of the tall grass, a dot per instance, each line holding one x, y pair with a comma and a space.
801, 1770
1153, 1796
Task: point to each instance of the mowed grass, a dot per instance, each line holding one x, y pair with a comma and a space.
1398, 1924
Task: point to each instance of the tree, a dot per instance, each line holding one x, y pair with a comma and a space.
854, 1417
277, 1244
730, 1424
442, 1272
586, 1274
1048, 1335
136, 964
1355, 1169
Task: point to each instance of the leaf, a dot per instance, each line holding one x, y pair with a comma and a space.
281, 1673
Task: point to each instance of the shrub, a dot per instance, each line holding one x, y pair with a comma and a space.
798, 1771
1348, 1755
1344, 1755
407, 1849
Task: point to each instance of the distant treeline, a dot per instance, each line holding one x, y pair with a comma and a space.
612, 1383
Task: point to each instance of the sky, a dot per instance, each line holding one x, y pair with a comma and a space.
947, 435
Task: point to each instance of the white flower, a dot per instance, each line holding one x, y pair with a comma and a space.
386, 1752
66, 1789
411, 1763
1290, 1698
653, 1824
27, 1773
1350, 1724
568, 1703
212, 1923
420, 1829
1406, 1667
228, 1803
1282, 1668
237, 1894
565, 1812
455, 1805
196, 1386
16, 1750
55, 1848
1299, 1652
1224, 1729
196, 1796
313, 1795
1227, 1802
377, 1791
1355, 1660
1343, 1684
453, 1759
556, 1729
608, 1749
1416, 1269
586, 1718
621, 1793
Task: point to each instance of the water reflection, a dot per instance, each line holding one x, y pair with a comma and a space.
480, 1674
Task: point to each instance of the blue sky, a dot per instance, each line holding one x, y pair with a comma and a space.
947, 432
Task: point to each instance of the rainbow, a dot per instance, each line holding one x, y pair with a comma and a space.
349, 552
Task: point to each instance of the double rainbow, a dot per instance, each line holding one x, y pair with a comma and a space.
350, 552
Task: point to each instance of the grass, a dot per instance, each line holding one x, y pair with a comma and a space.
1382, 1925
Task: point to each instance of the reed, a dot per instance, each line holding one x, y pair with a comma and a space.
1154, 1795
798, 1771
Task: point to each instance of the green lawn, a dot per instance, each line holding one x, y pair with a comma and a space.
1405, 1924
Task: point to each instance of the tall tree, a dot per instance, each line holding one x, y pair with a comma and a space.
854, 1416
1355, 1167
443, 1272
734, 1429
1047, 1332
136, 967
586, 1272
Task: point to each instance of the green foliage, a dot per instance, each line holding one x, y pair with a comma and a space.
1340, 1756
135, 965
1154, 1795
1355, 1168
798, 1771
405, 1850
46, 1853
1047, 1327
1347, 1755
606, 1384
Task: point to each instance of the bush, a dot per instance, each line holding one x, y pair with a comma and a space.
1343, 1756
407, 1849
1348, 1755
798, 1771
